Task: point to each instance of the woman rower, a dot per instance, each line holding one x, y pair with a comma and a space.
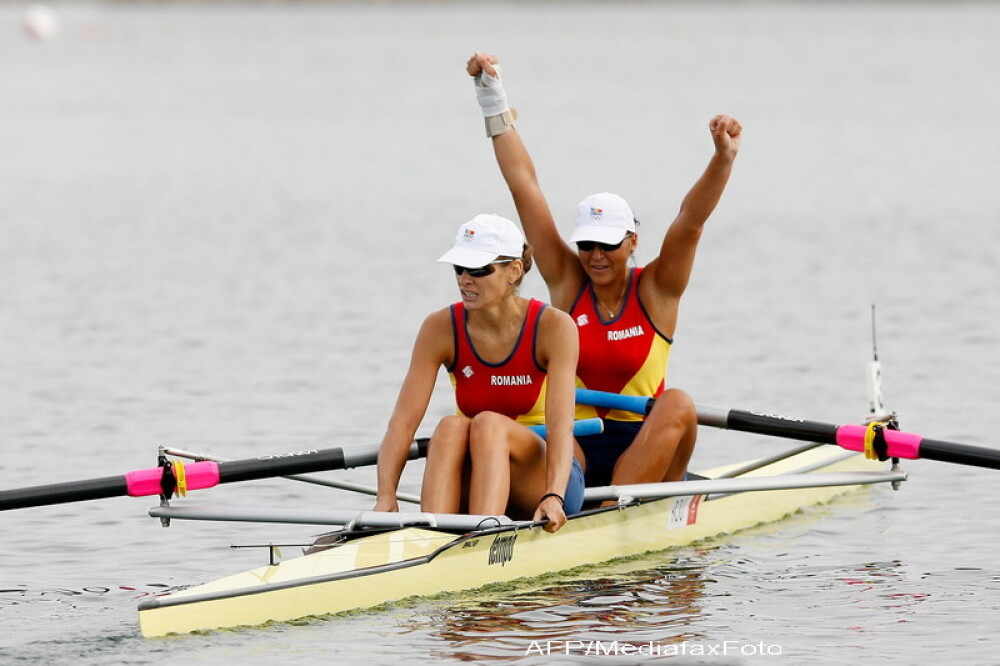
512, 362
625, 316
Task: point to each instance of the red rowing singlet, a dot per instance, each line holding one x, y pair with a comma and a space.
626, 355
515, 387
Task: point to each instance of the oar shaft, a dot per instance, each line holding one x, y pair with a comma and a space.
283, 464
208, 473
963, 454
57, 493
899, 444
778, 426
730, 419
204, 474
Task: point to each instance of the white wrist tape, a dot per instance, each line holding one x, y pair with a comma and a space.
490, 94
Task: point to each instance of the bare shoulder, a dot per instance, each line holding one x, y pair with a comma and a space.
438, 319
557, 323
558, 342
435, 338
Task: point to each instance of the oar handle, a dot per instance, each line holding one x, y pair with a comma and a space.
581, 428
626, 403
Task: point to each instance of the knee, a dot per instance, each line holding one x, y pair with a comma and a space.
489, 432
451, 436
486, 424
675, 406
452, 426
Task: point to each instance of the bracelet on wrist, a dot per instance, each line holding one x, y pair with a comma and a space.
556, 495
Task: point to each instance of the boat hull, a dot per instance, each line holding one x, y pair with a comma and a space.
392, 566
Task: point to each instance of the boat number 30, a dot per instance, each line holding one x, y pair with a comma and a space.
502, 549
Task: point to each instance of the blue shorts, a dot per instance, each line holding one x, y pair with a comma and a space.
603, 450
573, 499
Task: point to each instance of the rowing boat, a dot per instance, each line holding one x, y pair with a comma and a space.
365, 567
378, 558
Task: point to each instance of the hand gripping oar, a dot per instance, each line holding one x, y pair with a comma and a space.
884, 442
173, 476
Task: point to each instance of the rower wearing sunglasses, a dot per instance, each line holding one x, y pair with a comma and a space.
625, 316
512, 362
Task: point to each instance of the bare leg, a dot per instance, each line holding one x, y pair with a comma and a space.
662, 449
441, 490
502, 450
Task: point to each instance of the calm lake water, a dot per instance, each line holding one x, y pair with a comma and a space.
218, 228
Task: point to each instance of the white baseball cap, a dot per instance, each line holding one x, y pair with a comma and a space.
603, 217
482, 239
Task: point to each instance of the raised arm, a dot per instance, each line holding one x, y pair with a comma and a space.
558, 349
671, 269
557, 262
431, 349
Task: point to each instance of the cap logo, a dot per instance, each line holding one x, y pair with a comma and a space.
596, 213
469, 235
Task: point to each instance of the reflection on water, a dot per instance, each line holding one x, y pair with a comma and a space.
655, 598
18, 595
882, 587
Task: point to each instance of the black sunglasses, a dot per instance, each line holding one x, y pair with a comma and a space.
482, 271
588, 246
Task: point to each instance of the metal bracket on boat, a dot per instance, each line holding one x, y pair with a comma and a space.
625, 500
406, 520
890, 421
894, 462
164, 521
161, 460
273, 550
895, 468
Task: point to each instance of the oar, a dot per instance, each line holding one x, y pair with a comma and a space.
171, 476
894, 443
165, 479
582, 427
329, 483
